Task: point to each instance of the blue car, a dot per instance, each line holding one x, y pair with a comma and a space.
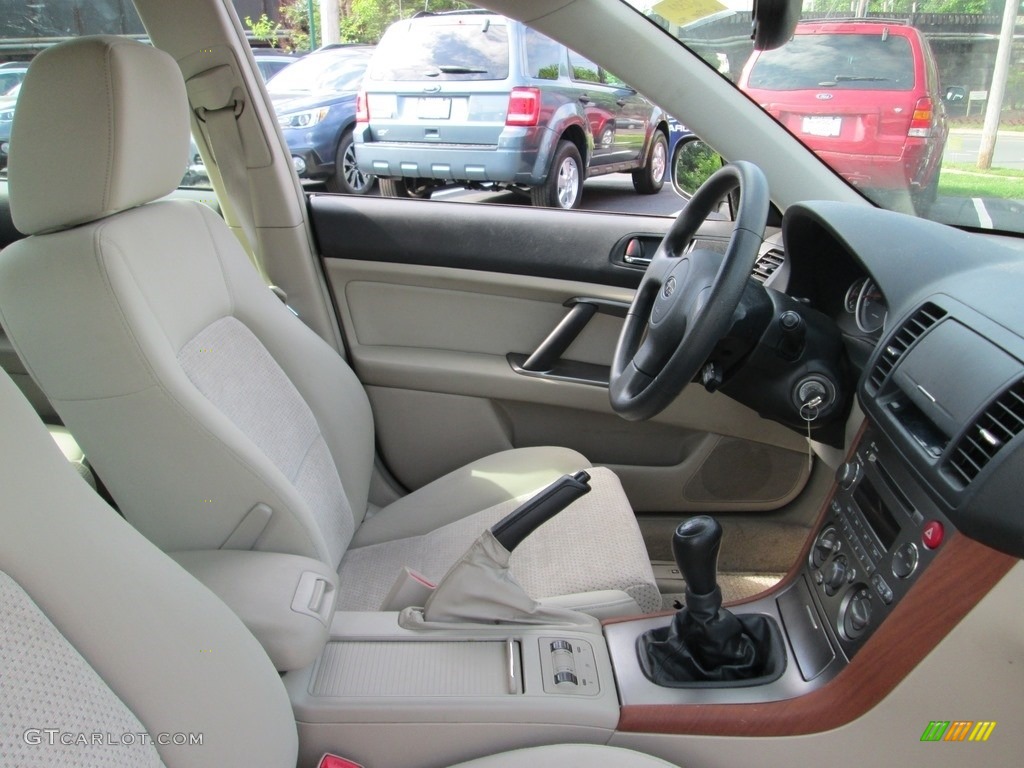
315, 102
7, 102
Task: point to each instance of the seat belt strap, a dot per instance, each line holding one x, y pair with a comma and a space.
219, 104
222, 125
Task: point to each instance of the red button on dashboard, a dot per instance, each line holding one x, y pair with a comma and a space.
933, 534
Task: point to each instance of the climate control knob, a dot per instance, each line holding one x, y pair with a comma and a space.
835, 576
826, 544
857, 613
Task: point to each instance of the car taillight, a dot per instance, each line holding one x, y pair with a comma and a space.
921, 122
523, 106
362, 108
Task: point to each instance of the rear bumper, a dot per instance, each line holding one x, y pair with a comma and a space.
914, 168
514, 160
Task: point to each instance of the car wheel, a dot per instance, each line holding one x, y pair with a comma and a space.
405, 188
347, 177
651, 178
564, 185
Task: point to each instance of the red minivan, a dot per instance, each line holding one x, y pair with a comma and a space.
864, 95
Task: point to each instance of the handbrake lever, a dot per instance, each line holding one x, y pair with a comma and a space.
526, 518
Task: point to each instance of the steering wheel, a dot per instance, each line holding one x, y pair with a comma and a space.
687, 297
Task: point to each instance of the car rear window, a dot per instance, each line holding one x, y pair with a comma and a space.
460, 49
878, 62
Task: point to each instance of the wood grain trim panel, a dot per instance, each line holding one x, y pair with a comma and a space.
962, 573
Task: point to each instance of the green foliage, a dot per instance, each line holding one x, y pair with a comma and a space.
264, 29
696, 162
1014, 89
585, 74
295, 17
365, 21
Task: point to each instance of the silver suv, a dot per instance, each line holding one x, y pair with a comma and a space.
481, 101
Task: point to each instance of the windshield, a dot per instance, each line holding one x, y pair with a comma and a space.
917, 105
326, 72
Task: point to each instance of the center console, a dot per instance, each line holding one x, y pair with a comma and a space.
390, 695
880, 532
386, 691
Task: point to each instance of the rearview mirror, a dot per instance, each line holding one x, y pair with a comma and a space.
773, 22
693, 163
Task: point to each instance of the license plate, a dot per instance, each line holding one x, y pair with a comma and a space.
434, 109
822, 126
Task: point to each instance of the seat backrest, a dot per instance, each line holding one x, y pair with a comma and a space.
213, 415
103, 634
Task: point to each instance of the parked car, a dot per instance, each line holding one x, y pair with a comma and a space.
864, 95
7, 104
473, 99
11, 75
315, 101
270, 62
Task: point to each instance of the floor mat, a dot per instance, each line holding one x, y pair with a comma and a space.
749, 544
734, 586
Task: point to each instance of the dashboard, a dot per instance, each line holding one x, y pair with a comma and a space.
933, 336
942, 382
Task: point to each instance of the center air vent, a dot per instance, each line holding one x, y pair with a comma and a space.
898, 344
997, 425
767, 264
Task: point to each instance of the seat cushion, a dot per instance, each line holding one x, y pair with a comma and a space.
479, 485
592, 545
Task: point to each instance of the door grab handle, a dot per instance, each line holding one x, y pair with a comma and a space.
565, 333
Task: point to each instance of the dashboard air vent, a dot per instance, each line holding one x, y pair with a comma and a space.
767, 264
911, 330
997, 425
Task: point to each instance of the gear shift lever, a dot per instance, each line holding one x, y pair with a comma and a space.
695, 546
705, 642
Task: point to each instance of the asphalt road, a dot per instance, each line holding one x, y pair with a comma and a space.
604, 193
963, 145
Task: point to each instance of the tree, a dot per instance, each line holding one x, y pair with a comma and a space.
366, 20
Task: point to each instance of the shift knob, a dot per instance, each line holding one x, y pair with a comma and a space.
695, 546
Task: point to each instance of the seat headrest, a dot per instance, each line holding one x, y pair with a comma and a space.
101, 126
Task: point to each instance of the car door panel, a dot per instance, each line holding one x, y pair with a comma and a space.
430, 317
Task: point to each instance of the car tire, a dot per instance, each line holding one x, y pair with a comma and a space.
564, 185
404, 188
651, 178
347, 177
